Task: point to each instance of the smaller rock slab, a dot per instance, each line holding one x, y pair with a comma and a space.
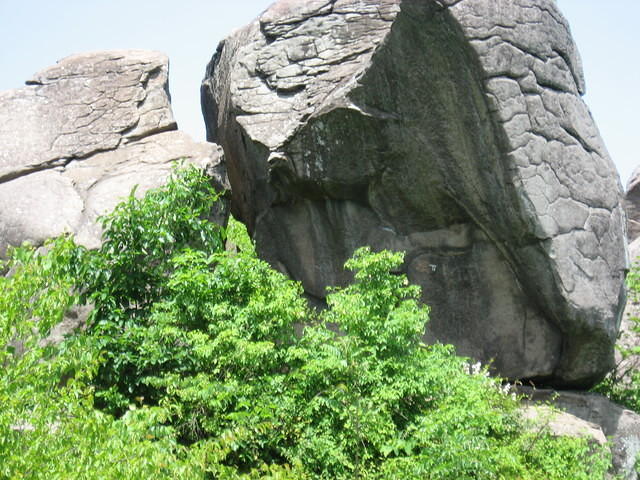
80, 136
620, 425
563, 423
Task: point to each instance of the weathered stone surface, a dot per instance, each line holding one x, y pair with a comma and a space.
80, 136
453, 130
561, 423
620, 425
632, 206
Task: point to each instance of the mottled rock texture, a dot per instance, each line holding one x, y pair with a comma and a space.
453, 130
80, 136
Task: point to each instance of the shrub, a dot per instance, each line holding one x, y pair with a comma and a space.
196, 364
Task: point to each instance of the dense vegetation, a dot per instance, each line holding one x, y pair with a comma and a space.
195, 364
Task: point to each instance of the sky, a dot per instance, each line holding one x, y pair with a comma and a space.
35, 34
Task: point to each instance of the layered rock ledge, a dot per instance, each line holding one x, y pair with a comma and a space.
80, 135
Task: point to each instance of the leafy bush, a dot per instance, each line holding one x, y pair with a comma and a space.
195, 364
130, 274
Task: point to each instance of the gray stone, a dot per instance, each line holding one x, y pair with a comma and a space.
620, 425
452, 130
632, 205
74, 319
80, 136
561, 424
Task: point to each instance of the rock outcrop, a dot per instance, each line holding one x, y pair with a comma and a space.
451, 129
80, 135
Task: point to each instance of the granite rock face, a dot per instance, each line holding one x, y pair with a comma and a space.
453, 130
80, 135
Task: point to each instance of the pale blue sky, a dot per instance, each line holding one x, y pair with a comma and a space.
34, 34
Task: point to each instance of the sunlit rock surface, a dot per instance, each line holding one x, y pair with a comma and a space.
80, 135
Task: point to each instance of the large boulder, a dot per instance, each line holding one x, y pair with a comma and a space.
453, 130
80, 136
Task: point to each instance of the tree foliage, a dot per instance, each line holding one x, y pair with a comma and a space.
203, 363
